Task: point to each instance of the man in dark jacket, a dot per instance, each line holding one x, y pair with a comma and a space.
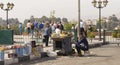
82, 44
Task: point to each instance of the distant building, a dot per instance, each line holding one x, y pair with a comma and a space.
91, 22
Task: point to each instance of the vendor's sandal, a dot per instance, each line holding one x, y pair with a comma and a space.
80, 55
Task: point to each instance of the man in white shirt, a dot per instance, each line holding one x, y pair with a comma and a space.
57, 30
28, 26
82, 27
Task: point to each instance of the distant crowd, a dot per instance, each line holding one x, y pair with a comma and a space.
42, 28
47, 28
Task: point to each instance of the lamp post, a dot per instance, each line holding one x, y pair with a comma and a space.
99, 4
9, 7
104, 30
78, 32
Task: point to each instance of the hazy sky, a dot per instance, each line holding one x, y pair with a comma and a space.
63, 8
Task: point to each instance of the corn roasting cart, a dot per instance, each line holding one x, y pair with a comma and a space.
63, 44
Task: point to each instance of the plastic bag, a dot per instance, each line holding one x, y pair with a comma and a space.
51, 53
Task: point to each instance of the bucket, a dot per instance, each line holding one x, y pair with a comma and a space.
19, 52
27, 50
40, 48
1, 55
28, 47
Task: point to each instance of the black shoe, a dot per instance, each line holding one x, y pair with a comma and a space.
80, 55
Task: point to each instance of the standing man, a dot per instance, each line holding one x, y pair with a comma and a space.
20, 28
74, 32
61, 27
82, 27
28, 27
32, 29
36, 26
46, 34
41, 27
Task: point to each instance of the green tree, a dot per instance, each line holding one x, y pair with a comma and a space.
64, 19
68, 26
44, 18
58, 19
32, 19
113, 18
52, 15
25, 22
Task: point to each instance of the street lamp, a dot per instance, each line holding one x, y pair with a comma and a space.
104, 30
9, 7
78, 32
99, 4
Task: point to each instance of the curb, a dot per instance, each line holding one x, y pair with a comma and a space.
97, 44
42, 55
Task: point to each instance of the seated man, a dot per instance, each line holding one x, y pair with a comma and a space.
82, 44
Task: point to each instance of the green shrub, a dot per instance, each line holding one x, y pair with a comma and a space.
68, 26
118, 35
91, 35
114, 35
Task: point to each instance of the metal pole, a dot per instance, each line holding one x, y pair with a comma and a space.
7, 18
104, 40
100, 23
78, 18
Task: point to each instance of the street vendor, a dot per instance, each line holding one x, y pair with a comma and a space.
82, 44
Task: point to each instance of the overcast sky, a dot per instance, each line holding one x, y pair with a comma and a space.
63, 8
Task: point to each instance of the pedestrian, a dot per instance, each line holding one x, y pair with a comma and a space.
73, 31
82, 27
41, 26
82, 44
46, 34
52, 27
36, 26
61, 27
57, 30
90, 28
32, 29
20, 28
28, 26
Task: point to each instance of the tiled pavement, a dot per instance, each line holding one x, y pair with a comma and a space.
94, 43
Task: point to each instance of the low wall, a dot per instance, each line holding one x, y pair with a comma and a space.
106, 33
